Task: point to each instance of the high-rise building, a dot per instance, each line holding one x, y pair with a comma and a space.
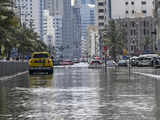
76, 31
55, 7
67, 29
103, 13
82, 2
63, 8
30, 14
57, 23
131, 8
48, 30
88, 18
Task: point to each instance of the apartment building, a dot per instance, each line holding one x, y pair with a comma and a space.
139, 34
103, 13
157, 19
131, 8
30, 14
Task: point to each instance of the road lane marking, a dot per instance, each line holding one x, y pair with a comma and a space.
148, 75
12, 76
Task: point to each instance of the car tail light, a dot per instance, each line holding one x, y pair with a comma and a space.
91, 63
48, 61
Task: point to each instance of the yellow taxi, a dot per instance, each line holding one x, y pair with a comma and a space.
40, 62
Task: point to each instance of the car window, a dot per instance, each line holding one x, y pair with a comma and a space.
40, 56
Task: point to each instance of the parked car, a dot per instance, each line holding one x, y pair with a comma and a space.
133, 61
40, 62
95, 63
123, 63
156, 62
145, 61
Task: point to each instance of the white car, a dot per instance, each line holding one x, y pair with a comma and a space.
111, 63
144, 61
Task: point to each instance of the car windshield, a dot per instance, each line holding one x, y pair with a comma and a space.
40, 56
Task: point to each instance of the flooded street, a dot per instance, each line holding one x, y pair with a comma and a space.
79, 93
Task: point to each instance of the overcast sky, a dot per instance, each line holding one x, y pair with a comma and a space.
72, 2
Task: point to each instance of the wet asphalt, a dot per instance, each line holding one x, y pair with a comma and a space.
79, 93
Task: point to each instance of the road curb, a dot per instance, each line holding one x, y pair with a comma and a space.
12, 76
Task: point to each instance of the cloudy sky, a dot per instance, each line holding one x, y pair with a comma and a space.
72, 2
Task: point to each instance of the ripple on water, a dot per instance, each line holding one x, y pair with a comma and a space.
78, 104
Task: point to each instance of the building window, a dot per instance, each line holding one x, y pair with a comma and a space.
101, 24
133, 12
132, 3
100, 4
126, 11
101, 17
101, 10
143, 2
144, 23
126, 3
144, 31
133, 24
144, 11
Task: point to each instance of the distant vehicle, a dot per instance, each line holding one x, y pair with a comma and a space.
76, 60
66, 62
56, 62
95, 64
123, 63
40, 62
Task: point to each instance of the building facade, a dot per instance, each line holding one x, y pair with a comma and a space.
131, 8
88, 18
55, 7
30, 14
93, 42
67, 30
76, 32
63, 8
57, 24
157, 19
48, 31
103, 13
84, 2
139, 34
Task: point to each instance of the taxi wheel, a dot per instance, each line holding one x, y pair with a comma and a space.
30, 72
50, 72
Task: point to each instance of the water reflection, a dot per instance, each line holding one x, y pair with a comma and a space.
36, 81
83, 94
6, 86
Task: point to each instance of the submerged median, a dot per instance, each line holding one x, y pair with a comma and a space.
9, 68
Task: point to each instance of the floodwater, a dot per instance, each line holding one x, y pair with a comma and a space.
79, 93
